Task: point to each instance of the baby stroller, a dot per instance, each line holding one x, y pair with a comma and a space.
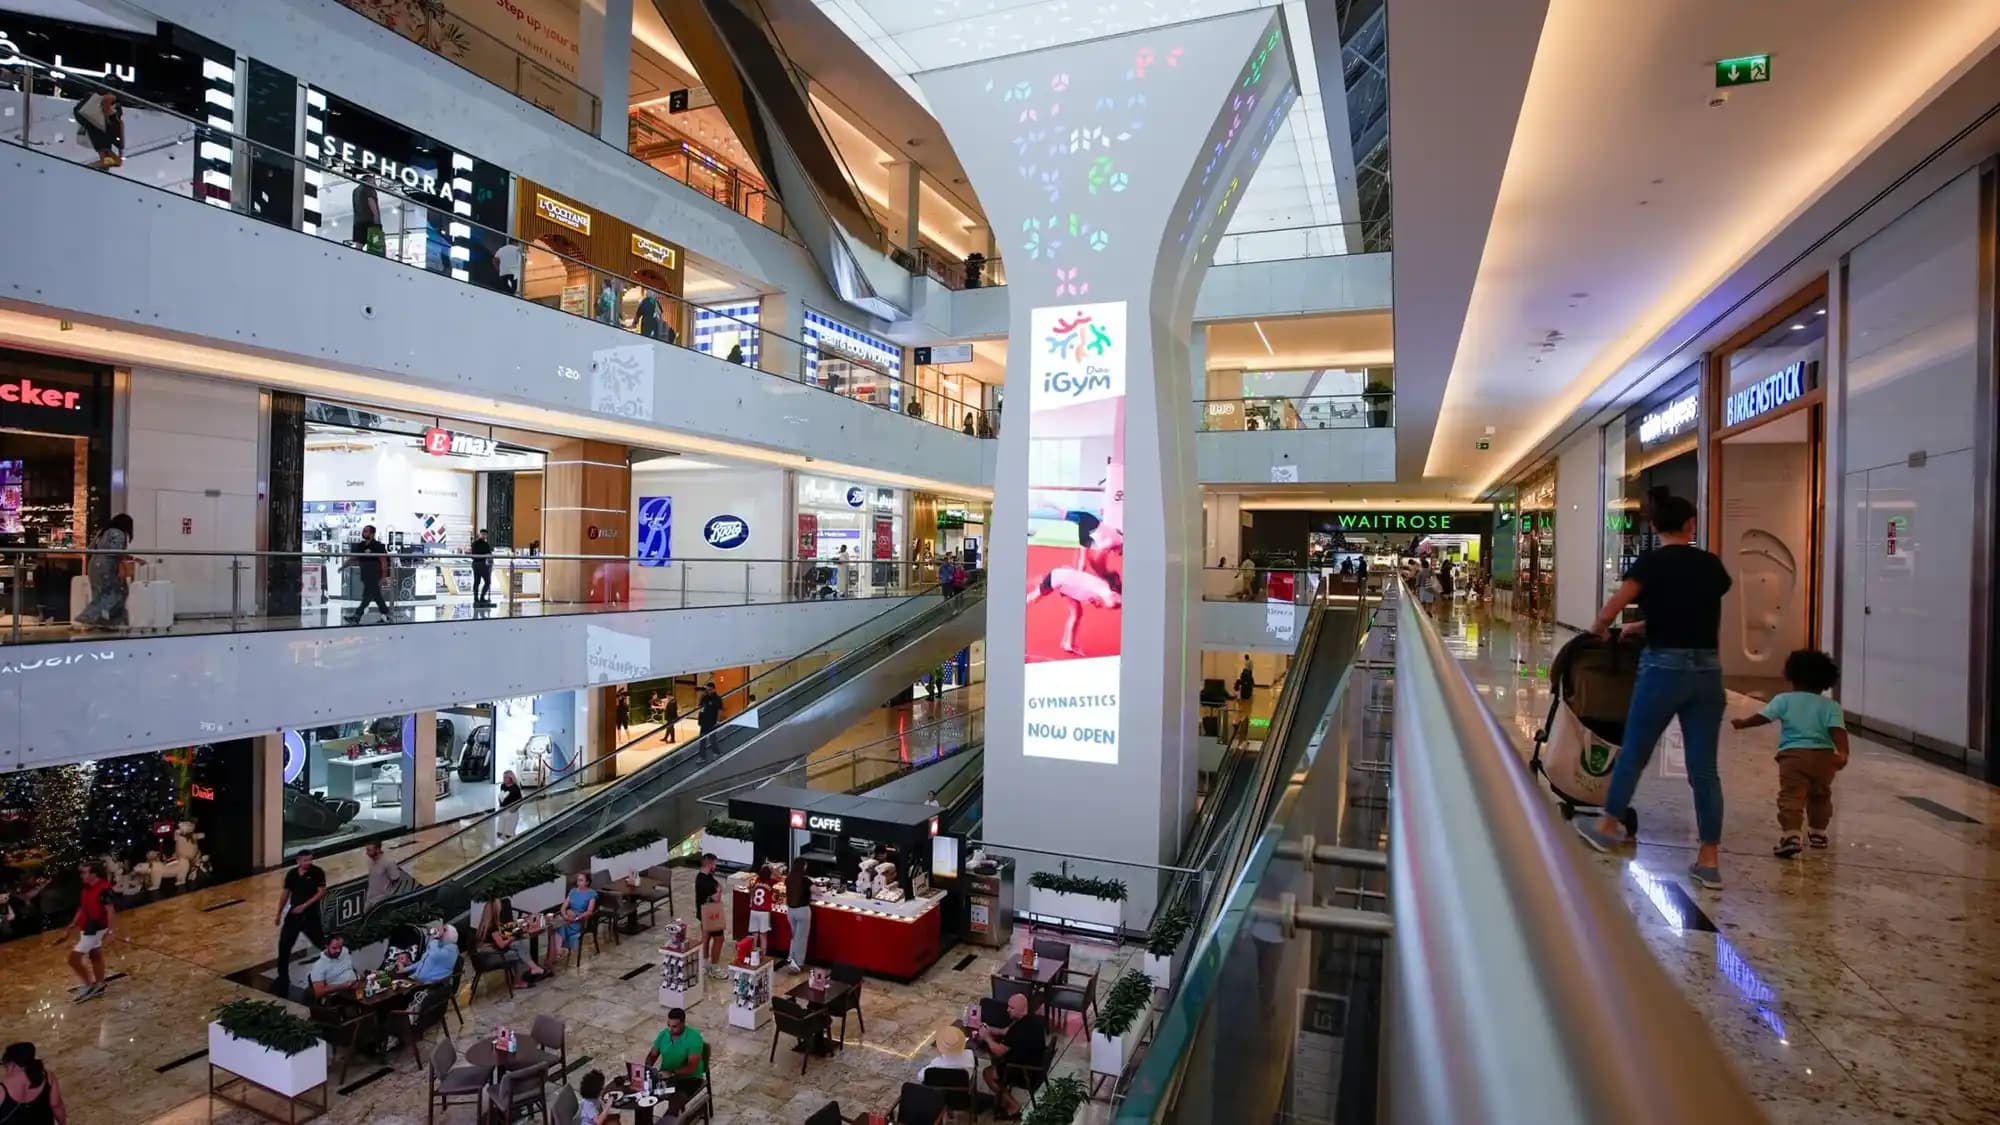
1592, 683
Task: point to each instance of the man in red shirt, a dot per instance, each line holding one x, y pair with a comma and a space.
94, 917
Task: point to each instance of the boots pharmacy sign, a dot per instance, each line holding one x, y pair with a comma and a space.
1074, 635
1769, 393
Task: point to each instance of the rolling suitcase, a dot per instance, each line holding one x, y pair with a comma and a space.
150, 604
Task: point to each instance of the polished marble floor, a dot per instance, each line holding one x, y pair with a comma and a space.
1856, 984
107, 1053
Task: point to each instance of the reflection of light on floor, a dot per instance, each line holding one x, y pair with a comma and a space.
1750, 986
1655, 890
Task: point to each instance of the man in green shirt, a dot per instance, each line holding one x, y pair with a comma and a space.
678, 1048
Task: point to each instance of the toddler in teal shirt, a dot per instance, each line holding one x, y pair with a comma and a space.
1812, 747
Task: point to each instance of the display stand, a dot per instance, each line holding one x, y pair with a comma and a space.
680, 977
750, 995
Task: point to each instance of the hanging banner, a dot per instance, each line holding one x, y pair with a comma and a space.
1076, 532
656, 530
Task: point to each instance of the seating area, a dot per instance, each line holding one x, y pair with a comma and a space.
815, 1056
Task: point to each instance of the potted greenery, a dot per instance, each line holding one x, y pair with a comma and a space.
628, 852
1077, 898
1381, 400
1059, 1102
731, 841
1164, 943
261, 1040
530, 889
1120, 1019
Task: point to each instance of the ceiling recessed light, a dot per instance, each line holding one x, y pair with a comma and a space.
1798, 328
1819, 312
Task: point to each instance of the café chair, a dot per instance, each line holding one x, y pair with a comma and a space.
516, 1090
993, 1013
655, 887
486, 961
567, 1110
829, 1114
701, 1107
1080, 998
851, 1002
551, 1035
340, 1023
955, 1087
1054, 950
1026, 1076
801, 1023
424, 1010
1005, 987
919, 1105
449, 1081
455, 982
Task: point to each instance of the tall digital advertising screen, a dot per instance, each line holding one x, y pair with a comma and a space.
1076, 531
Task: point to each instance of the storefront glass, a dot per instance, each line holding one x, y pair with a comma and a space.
159, 821
721, 330
1654, 445
1535, 548
55, 476
945, 525
426, 496
535, 737
848, 361
855, 530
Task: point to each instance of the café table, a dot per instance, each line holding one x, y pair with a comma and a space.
1047, 971
482, 1053
666, 1110
815, 999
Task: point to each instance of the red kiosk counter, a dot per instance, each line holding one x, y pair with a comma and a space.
898, 940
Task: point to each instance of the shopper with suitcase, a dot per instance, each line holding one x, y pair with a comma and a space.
110, 575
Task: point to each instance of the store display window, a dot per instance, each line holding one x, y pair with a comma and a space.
1535, 548
857, 534
848, 361
55, 476
1656, 444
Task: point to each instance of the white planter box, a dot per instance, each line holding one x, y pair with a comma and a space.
548, 896
1109, 1056
735, 853
289, 1076
618, 865
621, 866
1161, 969
1076, 908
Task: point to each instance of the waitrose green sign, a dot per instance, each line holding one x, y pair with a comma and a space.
1466, 523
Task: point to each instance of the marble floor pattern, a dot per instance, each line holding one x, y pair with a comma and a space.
1856, 984
106, 1052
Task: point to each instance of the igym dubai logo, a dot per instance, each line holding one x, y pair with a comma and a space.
726, 533
1078, 339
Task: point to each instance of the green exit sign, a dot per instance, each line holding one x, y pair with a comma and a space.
1484, 444
1742, 71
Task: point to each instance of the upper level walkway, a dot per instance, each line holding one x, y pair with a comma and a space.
1856, 984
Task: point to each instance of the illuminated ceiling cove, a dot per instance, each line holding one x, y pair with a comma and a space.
1293, 187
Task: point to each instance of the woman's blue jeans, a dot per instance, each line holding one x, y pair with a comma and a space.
1684, 682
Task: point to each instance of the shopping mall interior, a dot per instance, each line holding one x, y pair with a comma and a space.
523, 596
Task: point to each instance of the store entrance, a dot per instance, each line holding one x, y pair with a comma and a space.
1766, 533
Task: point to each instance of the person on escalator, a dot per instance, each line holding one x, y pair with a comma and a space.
510, 796
709, 717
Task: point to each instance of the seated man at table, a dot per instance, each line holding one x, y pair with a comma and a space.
1023, 1042
677, 1049
334, 971
439, 961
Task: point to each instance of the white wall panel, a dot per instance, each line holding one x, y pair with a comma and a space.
1320, 456
191, 481
755, 496
158, 261
90, 699
1579, 521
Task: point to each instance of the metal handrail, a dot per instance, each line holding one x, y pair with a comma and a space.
1510, 959
215, 134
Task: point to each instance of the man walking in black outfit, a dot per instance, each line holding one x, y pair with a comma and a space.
371, 558
298, 913
482, 571
708, 716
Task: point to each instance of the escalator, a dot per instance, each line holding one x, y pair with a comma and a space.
879, 659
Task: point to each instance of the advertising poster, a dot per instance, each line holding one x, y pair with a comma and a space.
1076, 531
656, 530
808, 535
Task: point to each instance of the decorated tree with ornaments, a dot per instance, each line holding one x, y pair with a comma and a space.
131, 800
60, 799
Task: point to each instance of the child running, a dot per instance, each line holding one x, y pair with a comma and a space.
1812, 747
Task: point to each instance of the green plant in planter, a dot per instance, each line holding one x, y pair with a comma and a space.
268, 1023
514, 882
1378, 396
625, 843
1168, 930
1057, 1101
1110, 890
732, 829
1130, 995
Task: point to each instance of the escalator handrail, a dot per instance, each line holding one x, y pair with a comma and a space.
665, 761
761, 775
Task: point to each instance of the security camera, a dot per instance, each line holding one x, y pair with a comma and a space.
368, 311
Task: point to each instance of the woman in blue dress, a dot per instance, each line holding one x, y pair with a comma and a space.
109, 579
579, 910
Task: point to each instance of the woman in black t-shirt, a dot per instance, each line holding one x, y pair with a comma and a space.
1678, 587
